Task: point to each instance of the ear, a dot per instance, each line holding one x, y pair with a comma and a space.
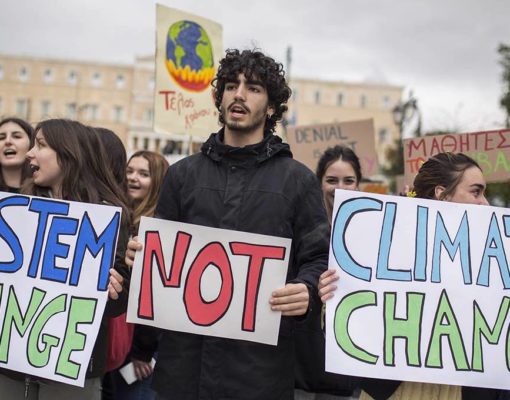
270, 111
438, 192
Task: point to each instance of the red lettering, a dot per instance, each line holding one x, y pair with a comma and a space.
258, 254
435, 147
488, 141
503, 140
464, 143
166, 93
200, 311
153, 249
449, 143
415, 144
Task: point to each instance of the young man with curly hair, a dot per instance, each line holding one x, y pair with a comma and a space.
245, 179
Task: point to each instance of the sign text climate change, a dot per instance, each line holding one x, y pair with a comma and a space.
55, 258
423, 294
207, 281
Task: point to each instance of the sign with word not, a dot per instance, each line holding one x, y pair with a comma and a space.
55, 258
491, 149
188, 50
424, 293
207, 281
308, 142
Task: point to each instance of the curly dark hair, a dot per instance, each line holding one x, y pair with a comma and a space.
443, 169
254, 64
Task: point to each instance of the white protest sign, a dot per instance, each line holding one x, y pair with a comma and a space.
55, 258
424, 291
207, 281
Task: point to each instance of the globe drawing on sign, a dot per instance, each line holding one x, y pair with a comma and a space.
189, 56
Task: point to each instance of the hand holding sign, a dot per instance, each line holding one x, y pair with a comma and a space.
291, 300
326, 284
115, 284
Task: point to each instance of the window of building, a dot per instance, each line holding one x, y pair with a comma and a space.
48, 75
71, 110
386, 102
118, 113
92, 112
146, 143
1, 72
148, 114
96, 79
23, 74
157, 144
135, 142
45, 108
340, 99
72, 78
383, 135
22, 108
1, 105
363, 101
317, 97
120, 82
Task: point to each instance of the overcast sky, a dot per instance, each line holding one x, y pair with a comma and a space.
445, 51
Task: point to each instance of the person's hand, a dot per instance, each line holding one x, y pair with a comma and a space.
132, 247
291, 300
142, 369
115, 284
327, 284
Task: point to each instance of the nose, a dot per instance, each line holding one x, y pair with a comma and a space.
240, 93
484, 201
30, 154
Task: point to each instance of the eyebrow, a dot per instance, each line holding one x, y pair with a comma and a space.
478, 186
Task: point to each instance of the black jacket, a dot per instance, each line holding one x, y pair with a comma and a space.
258, 189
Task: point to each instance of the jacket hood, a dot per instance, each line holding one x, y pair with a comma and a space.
270, 146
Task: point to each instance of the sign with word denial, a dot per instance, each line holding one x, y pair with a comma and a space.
423, 293
491, 149
208, 281
188, 50
55, 258
309, 142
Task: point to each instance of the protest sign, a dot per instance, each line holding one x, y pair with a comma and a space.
491, 149
308, 142
208, 281
55, 258
188, 50
423, 293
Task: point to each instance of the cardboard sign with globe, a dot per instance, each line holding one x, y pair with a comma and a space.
188, 50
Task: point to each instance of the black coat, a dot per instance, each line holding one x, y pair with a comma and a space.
258, 189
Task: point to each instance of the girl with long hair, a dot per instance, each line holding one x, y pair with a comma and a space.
68, 162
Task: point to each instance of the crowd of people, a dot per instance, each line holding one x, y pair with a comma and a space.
244, 179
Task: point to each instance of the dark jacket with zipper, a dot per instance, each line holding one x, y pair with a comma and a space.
259, 189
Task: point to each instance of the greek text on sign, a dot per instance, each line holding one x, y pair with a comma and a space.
423, 294
207, 281
491, 149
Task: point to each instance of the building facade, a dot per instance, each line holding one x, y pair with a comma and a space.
121, 97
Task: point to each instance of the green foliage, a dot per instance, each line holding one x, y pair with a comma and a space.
504, 52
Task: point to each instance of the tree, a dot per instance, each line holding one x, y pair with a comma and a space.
504, 52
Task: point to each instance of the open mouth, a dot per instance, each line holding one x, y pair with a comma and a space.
238, 109
34, 168
133, 187
9, 152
